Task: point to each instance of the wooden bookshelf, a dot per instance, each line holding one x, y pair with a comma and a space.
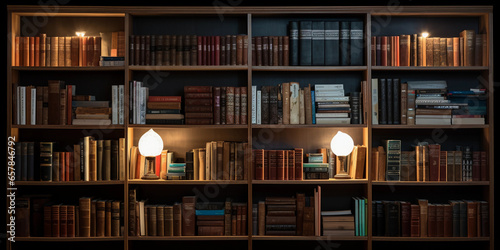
255, 21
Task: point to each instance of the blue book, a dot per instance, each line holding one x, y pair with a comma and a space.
313, 102
210, 212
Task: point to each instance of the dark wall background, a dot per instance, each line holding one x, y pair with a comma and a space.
216, 3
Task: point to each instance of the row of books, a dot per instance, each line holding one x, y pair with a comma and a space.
270, 51
69, 51
219, 160
328, 43
215, 105
290, 164
351, 222
428, 162
186, 50
425, 102
187, 218
91, 217
58, 104
457, 218
287, 103
89, 160
164, 110
469, 49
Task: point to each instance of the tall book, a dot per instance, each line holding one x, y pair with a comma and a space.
305, 43
332, 43
318, 43
393, 149
356, 44
344, 42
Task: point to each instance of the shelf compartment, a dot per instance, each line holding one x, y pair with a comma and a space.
188, 182
299, 126
430, 183
286, 238
187, 238
309, 68
72, 239
379, 238
310, 182
100, 68
467, 126
189, 68
423, 68
67, 183
69, 127
189, 126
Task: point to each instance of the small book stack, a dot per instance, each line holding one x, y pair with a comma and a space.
281, 217
92, 113
338, 223
176, 171
317, 167
431, 106
164, 110
333, 106
475, 110
198, 106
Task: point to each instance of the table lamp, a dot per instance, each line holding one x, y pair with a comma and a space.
150, 145
342, 145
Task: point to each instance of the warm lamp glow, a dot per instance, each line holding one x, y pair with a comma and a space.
150, 144
80, 33
341, 144
425, 34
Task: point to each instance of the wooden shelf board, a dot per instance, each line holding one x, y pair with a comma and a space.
98, 68
189, 126
472, 126
181, 238
430, 183
379, 238
67, 183
58, 239
77, 127
421, 68
189, 68
335, 238
308, 126
316, 182
309, 68
187, 182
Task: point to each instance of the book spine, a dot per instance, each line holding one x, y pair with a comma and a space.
356, 45
344, 41
305, 43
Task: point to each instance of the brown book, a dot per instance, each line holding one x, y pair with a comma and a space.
92, 160
436, 55
404, 103
75, 50
299, 159
421, 51
71, 221
457, 163
469, 39
54, 90
450, 167
265, 51
301, 202
443, 54
275, 50
456, 51
484, 49
47, 221
423, 217
17, 55
471, 218
404, 50
97, 51
239, 50
169, 220
61, 52
90, 51
151, 219
447, 220
177, 219
56, 226
449, 52
67, 51
36, 60
434, 161
115, 218
259, 52
405, 218
262, 218
443, 160
308, 104
286, 51
478, 50
439, 220
31, 51
22, 216
381, 163
100, 218
108, 219
171, 105
415, 220
429, 51
83, 51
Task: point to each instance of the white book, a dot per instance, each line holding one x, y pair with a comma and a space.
333, 120
259, 105
254, 104
432, 121
472, 121
337, 92
33, 106
114, 104
23, 105
375, 101
331, 98
294, 102
321, 115
18, 105
319, 87
302, 110
144, 97
121, 104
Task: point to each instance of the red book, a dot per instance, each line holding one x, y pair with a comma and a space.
280, 166
217, 50
258, 163
484, 166
398, 54
291, 165
37, 51
434, 153
212, 50
273, 164
197, 89
62, 166
205, 60
442, 165
299, 160
383, 51
431, 220
476, 166
158, 165
164, 99
415, 220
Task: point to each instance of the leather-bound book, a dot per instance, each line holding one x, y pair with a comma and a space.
443, 54
216, 96
299, 160
55, 87
434, 154
108, 213
177, 219
415, 220
344, 43
101, 218
265, 51
356, 44
273, 104
293, 33
390, 100
443, 160
431, 220
115, 218
413, 50
471, 207
382, 87
230, 105
172, 50
169, 220
436, 51
404, 56
439, 220
305, 43
258, 49
447, 220
484, 218
429, 52
318, 43
392, 218
423, 217
405, 218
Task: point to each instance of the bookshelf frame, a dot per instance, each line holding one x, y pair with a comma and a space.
367, 130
